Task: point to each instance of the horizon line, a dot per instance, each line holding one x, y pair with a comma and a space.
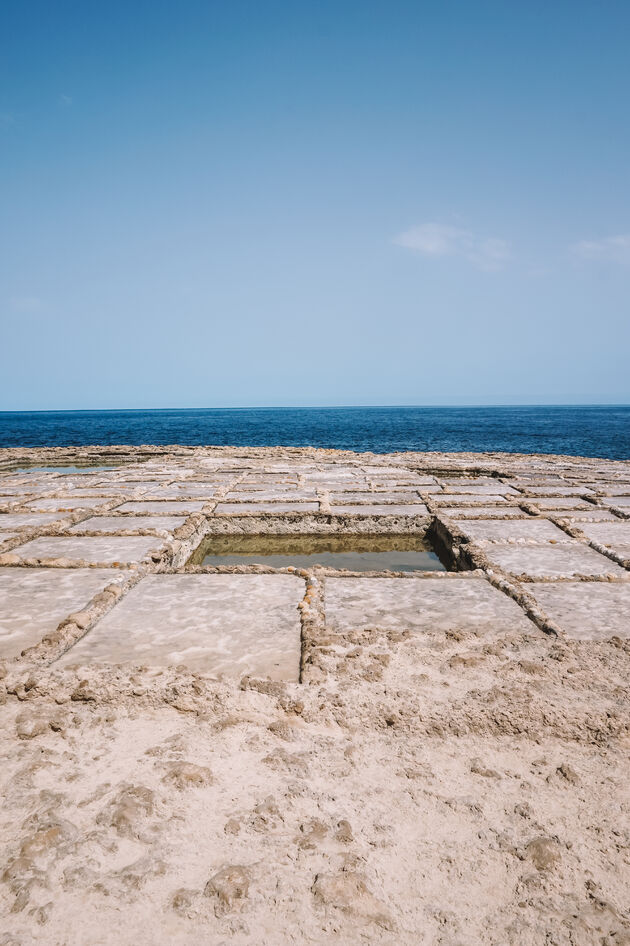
317, 407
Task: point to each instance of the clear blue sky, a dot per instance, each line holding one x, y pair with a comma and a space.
287, 203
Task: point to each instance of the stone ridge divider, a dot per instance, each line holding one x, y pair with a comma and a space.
72, 628
189, 536
67, 518
466, 552
316, 523
596, 500
619, 511
576, 533
561, 519
56, 528
315, 636
76, 625
323, 498
190, 531
462, 547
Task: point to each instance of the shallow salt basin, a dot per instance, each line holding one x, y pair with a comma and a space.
35, 600
27, 520
428, 604
218, 624
89, 549
397, 553
586, 610
113, 524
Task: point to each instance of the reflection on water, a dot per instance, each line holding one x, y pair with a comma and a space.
359, 553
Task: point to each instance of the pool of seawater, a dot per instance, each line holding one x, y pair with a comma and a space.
358, 553
59, 469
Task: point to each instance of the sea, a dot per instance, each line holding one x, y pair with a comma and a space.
594, 431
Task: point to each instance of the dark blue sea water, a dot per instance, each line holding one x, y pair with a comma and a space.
580, 431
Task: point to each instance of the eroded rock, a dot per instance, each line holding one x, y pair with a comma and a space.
28, 725
185, 775
229, 887
128, 810
544, 853
348, 891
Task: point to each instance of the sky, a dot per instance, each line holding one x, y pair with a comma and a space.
275, 202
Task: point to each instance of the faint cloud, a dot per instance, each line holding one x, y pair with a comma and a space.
25, 304
7, 119
436, 240
614, 249
64, 101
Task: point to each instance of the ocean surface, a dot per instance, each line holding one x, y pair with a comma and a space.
579, 431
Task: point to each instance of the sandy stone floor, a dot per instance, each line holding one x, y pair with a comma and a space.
250, 755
